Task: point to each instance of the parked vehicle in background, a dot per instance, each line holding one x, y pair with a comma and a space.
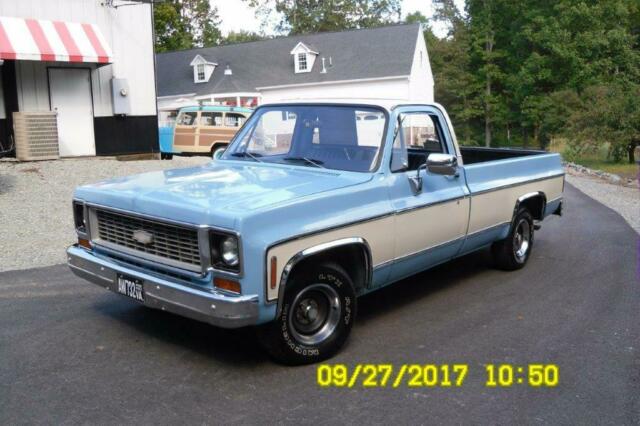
203, 129
166, 123
312, 205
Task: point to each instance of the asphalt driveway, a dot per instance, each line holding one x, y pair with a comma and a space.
73, 353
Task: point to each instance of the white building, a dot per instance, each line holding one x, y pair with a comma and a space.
91, 61
386, 62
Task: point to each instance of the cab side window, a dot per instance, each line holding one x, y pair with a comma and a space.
418, 136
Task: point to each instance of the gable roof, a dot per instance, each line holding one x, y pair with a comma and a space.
355, 54
305, 48
199, 59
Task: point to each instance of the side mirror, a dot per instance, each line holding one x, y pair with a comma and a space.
218, 153
442, 164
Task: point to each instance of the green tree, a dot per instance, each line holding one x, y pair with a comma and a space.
456, 86
529, 65
487, 51
311, 16
416, 18
568, 45
170, 31
241, 37
610, 114
203, 20
183, 24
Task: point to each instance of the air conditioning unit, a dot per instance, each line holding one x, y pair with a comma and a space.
36, 135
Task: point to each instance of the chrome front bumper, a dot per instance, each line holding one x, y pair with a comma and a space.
202, 305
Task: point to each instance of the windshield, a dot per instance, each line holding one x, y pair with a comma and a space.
322, 136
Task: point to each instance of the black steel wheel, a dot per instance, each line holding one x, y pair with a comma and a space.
318, 311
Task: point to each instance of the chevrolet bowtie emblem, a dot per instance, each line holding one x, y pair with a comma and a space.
143, 237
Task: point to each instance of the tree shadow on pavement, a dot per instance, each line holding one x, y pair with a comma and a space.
239, 347
422, 285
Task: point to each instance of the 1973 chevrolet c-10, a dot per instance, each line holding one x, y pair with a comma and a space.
312, 205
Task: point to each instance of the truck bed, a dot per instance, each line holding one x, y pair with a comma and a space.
473, 154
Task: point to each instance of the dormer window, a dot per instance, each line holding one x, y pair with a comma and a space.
303, 58
302, 61
202, 69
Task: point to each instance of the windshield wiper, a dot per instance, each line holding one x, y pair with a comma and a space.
245, 154
312, 161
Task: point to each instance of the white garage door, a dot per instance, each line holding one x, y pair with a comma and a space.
70, 90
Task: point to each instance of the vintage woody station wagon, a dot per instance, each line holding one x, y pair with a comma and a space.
312, 205
203, 129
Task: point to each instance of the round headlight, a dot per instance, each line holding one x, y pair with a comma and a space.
229, 249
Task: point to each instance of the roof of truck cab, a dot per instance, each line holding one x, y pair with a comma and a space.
385, 103
221, 108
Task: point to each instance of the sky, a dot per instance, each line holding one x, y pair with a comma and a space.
236, 15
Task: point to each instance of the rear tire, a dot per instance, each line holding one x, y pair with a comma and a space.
164, 156
318, 311
513, 252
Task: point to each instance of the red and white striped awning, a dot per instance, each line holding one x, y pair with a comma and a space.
41, 40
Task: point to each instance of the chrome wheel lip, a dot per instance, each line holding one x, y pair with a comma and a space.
326, 325
522, 240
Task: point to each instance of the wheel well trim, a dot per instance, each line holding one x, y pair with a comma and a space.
319, 248
216, 143
528, 196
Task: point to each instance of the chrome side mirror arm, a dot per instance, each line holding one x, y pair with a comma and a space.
416, 181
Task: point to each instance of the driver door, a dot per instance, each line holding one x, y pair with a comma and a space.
430, 224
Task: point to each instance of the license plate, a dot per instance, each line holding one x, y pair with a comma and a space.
131, 287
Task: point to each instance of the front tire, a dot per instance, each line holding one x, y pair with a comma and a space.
318, 311
513, 252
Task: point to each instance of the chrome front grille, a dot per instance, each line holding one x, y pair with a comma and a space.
173, 244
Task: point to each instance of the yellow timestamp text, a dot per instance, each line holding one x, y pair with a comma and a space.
434, 375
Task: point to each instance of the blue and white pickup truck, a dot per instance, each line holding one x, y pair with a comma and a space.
312, 205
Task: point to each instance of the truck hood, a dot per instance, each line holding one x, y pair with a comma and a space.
215, 193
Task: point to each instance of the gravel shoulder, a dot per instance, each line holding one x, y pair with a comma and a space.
35, 203
623, 199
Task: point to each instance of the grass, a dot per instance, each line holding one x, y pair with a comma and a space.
625, 170
597, 160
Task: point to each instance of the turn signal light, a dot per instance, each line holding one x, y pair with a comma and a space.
84, 243
228, 285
